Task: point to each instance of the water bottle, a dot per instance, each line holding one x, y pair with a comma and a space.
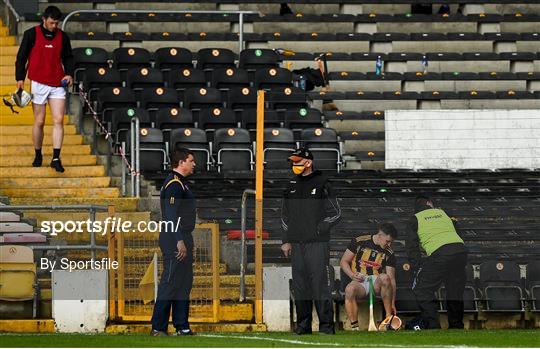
302, 82
425, 64
378, 66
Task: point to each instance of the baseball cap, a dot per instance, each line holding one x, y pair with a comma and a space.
301, 153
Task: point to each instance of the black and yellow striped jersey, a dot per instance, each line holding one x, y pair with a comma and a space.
369, 258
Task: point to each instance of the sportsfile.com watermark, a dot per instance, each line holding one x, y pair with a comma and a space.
110, 224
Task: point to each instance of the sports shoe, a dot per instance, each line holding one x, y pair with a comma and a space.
57, 165
38, 160
156, 333
186, 332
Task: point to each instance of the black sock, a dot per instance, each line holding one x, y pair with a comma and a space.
38, 158
354, 324
56, 153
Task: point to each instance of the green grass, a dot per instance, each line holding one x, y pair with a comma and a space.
439, 338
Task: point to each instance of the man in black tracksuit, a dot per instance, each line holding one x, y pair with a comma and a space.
309, 210
432, 229
176, 244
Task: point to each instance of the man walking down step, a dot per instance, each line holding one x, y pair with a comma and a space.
45, 53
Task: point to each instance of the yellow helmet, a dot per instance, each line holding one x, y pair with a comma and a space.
391, 322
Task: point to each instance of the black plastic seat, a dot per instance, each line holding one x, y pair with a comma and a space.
211, 58
88, 57
303, 118
156, 98
125, 58
141, 78
204, 97
121, 119
233, 149
325, 147
501, 284
278, 145
97, 78
242, 98
182, 79
272, 78
225, 78
286, 98
255, 59
211, 119
471, 296
152, 149
169, 58
195, 140
111, 98
171, 118
533, 283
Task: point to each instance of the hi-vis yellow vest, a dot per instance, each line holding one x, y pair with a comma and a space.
435, 229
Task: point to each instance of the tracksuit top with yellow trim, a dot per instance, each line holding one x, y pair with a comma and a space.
370, 258
435, 229
177, 206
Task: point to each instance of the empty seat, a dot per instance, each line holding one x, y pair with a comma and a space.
325, 147
211, 119
120, 123
255, 59
130, 57
96, 78
500, 282
174, 117
17, 273
152, 149
233, 149
211, 58
303, 118
248, 119
182, 79
111, 98
278, 145
169, 58
286, 98
88, 57
153, 99
533, 283
197, 98
195, 140
229, 77
272, 78
242, 98
140, 78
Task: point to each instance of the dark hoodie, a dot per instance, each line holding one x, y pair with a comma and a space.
309, 209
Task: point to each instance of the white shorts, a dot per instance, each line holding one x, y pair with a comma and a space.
365, 283
41, 93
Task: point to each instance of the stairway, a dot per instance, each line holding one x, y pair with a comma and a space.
83, 182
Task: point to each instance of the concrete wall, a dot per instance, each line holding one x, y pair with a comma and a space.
460, 139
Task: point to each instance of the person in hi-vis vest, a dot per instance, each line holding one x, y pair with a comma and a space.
433, 231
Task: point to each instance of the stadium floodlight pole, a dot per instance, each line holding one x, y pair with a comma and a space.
259, 208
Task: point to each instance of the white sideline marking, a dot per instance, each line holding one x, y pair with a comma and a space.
292, 341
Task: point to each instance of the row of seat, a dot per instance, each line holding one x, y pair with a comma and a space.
233, 149
314, 36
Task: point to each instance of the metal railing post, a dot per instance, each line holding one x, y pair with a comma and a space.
132, 153
93, 233
137, 164
123, 171
241, 33
243, 251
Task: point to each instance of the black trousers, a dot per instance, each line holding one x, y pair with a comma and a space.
311, 284
173, 292
441, 268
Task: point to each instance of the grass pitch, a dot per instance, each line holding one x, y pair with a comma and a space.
433, 338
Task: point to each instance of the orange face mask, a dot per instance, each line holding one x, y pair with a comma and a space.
298, 169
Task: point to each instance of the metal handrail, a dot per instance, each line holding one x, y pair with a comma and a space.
239, 13
92, 210
13, 11
243, 252
135, 157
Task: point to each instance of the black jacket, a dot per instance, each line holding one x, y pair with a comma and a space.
309, 209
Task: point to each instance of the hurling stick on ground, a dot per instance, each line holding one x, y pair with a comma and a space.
371, 326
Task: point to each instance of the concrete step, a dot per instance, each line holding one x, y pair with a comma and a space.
9, 217
46, 171
13, 130
4, 31
63, 193
69, 160
7, 41
8, 118
27, 140
8, 60
9, 50
121, 204
45, 183
8, 71
16, 227
25, 150
7, 79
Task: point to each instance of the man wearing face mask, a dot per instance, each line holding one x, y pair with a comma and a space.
309, 210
